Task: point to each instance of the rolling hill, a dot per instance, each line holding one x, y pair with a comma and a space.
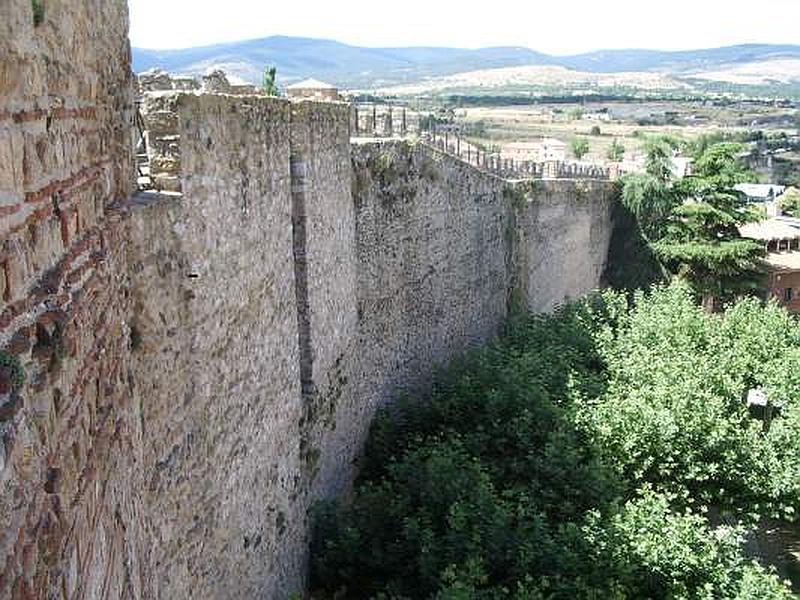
370, 68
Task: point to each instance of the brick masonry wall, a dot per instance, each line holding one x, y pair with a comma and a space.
67, 439
64, 129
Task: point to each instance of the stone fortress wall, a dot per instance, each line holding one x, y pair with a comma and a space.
70, 512
202, 364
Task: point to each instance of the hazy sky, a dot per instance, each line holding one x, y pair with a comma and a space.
553, 26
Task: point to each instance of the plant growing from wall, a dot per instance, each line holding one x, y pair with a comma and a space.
268, 83
16, 374
38, 12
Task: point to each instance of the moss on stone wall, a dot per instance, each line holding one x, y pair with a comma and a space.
13, 371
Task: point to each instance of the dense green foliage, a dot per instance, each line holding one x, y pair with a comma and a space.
591, 454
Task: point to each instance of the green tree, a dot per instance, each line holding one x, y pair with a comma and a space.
616, 151
580, 147
268, 84
660, 151
692, 223
701, 242
577, 458
790, 202
595, 130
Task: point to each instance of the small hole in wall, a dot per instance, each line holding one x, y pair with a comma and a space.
38, 12
44, 340
57, 401
56, 200
136, 338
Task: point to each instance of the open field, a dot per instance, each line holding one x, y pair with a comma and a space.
629, 123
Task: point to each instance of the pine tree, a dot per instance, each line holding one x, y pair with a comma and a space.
702, 243
692, 224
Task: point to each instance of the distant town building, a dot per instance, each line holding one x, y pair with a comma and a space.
766, 194
681, 166
781, 237
636, 162
597, 116
759, 192
548, 149
313, 89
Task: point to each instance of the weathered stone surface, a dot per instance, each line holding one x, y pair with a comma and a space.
433, 269
68, 468
218, 366
216, 82
155, 80
563, 232
202, 366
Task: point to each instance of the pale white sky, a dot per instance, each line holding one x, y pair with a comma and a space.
553, 26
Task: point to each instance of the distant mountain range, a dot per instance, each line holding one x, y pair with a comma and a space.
358, 67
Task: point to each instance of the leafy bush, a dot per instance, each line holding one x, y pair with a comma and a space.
585, 455
580, 147
616, 152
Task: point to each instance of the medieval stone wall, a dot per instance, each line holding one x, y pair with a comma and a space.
217, 365
563, 232
442, 252
433, 255
201, 364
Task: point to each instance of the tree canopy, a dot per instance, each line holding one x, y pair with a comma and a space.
692, 223
790, 202
606, 451
580, 147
